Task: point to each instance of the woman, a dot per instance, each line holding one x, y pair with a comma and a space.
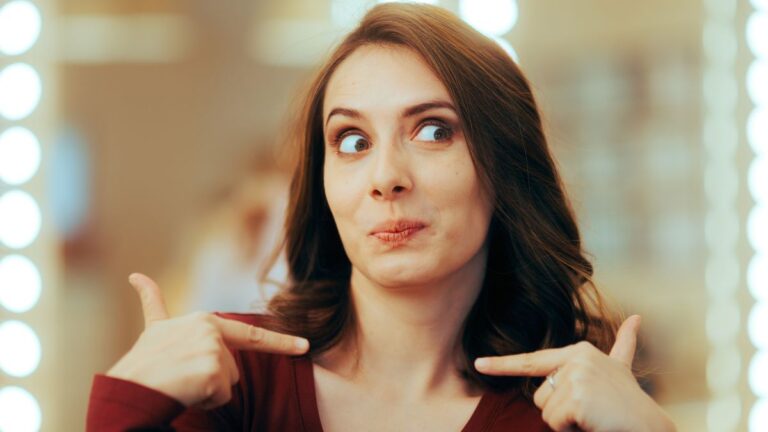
436, 268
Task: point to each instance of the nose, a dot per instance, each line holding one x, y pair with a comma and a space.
390, 176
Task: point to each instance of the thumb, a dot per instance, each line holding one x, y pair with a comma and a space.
151, 299
626, 340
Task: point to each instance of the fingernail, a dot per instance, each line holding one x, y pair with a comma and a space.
132, 278
482, 363
301, 344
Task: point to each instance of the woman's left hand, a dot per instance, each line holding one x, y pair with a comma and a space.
586, 389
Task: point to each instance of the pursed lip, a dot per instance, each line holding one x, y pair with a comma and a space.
398, 226
395, 233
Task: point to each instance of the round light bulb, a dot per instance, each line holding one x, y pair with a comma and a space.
19, 410
757, 33
492, 17
20, 219
757, 130
20, 283
758, 416
758, 374
19, 155
757, 277
757, 82
19, 27
756, 325
19, 349
20, 91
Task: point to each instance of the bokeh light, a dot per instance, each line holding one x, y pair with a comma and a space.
757, 130
19, 410
19, 349
20, 91
757, 33
722, 322
757, 228
757, 179
758, 374
723, 369
719, 41
20, 283
723, 412
431, 2
758, 417
758, 324
757, 82
19, 27
492, 17
19, 219
757, 277
19, 155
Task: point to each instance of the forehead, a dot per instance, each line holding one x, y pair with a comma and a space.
381, 77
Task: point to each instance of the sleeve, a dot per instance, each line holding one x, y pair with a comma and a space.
120, 405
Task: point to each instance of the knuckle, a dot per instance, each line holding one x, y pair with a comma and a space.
584, 346
579, 415
578, 377
212, 367
208, 329
209, 387
214, 345
547, 415
526, 364
256, 335
577, 394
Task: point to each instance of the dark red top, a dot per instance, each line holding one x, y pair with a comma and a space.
275, 393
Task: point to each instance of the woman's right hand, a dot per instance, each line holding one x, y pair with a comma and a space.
188, 357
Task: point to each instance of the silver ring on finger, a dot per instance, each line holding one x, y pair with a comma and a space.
551, 379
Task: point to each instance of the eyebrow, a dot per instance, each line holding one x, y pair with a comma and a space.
407, 112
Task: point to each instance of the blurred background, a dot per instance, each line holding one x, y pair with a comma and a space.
148, 136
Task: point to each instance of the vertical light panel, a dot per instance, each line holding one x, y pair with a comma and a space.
721, 184
22, 94
756, 80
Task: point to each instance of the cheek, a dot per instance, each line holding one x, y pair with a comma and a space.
463, 205
342, 193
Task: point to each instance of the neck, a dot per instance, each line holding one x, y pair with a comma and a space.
407, 338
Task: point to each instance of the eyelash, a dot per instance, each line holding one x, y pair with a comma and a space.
428, 122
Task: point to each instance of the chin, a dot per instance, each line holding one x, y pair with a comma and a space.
393, 273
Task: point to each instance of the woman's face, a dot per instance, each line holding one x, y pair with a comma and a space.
398, 175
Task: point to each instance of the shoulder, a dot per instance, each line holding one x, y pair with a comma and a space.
269, 383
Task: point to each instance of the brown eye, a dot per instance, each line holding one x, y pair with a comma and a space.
353, 143
433, 132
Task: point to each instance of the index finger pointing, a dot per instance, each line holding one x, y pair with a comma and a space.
243, 336
537, 363
151, 299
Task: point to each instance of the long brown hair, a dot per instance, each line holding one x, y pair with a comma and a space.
537, 291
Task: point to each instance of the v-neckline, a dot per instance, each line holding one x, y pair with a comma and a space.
304, 383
